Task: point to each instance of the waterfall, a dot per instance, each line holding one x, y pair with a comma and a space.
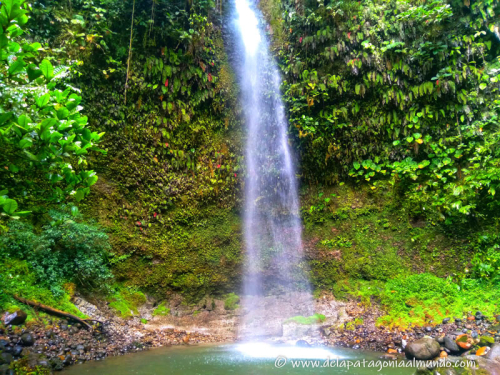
275, 284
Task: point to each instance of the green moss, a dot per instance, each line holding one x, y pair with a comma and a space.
196, 312
365, 235
18, 278
486, 341
161, 310
193, 251
231, 301
420, 298
313, 319
125, 301
144, 321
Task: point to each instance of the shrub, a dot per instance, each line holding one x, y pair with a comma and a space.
65, 250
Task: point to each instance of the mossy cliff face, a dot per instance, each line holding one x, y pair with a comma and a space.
361, 234
191, 250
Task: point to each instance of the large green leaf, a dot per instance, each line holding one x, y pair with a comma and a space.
43, 100
47, 69
16, 67
10, 206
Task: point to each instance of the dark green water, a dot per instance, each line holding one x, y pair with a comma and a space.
254, 359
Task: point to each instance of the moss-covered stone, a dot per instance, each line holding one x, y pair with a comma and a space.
231, 301
161, 310
306, 320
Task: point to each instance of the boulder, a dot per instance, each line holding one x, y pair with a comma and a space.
425, 348
16, 318
494, 353
490, 367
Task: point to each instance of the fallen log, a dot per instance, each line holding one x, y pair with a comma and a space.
52, 311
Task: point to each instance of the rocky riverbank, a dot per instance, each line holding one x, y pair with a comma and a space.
474, 338
51, 344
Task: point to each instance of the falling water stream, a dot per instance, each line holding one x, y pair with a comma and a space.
276, 285
274, 268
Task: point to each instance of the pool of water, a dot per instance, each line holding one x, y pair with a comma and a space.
244, 359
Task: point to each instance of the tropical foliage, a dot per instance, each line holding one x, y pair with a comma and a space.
398, 90
44, 138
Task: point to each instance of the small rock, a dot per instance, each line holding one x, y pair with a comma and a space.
425, 348
428, 329
302, 343
17, 350
483, 350
56, 364
443, 354
486, 341
27, 339
474, 334
16, 318
450, 344
446, 320
6, 358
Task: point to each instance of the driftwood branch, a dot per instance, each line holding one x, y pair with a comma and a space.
52, 311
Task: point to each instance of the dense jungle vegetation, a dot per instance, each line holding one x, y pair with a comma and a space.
122, 163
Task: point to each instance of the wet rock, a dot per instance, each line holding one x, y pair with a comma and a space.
483, 350
424, 348
450, 344
6, 358
16, 318
446, 320
56, 364
479, 315
27, 339
17, 350
491, 367
4, 370
494, 353
428, 329
486, 341
302, 343
474, 334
